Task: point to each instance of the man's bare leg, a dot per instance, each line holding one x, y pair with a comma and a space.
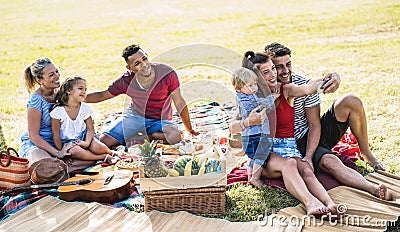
108, 140
350, 107
172, 134
332, 165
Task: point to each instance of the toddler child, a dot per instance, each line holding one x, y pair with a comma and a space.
256, 143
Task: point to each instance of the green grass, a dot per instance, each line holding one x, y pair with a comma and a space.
247, 203
358, 39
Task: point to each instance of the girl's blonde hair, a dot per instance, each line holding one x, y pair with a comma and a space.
242, 76
33, 71
67, 85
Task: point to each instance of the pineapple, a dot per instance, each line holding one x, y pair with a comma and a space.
153, 166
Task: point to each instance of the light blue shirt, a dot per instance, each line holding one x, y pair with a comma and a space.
38, 102
246, 103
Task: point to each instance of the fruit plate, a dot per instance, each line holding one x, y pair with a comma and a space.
177, 150
183, 182
128, 163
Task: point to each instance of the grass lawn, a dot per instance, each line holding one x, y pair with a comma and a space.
358, 39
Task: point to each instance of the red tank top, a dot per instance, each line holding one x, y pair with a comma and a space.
285, 118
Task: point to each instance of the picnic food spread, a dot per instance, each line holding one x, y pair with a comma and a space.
156, 163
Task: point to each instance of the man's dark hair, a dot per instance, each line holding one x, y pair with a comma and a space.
130, 50
278, 49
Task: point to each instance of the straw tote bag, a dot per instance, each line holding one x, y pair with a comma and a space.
13, 170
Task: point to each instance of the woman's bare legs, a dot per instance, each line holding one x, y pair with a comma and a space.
278, 166
316, 188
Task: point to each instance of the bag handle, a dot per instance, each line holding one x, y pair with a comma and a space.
10, 149
7, 153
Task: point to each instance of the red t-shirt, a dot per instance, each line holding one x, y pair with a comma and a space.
285, 118
154, 102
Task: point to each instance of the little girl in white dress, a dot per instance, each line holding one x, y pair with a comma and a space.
71, 122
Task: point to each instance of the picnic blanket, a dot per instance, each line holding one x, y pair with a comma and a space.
51, 214
365, 213
204, 117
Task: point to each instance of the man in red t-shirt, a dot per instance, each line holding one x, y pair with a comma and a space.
152, 88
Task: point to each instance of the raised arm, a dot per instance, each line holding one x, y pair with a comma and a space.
98, 96
183, 111
294, 90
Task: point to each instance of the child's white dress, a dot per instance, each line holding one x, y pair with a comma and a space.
72, 129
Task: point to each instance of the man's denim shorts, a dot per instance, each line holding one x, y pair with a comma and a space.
131, 124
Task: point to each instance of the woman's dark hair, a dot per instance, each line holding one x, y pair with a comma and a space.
67, 85
256, 58
252, 60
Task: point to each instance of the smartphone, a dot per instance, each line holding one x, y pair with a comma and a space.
320, 84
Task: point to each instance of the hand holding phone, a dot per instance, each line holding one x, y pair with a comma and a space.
320, 84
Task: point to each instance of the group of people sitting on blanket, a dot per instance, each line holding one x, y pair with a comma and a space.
60, 123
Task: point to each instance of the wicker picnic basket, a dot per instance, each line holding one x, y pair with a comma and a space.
199, 201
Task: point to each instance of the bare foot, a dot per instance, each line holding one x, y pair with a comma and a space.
374, 162
338, 209
256, 182
317, 209
111, 159
382, 192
